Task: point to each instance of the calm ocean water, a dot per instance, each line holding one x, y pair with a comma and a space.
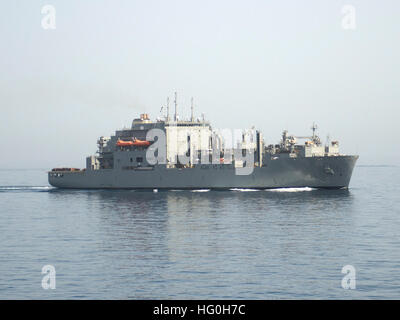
239, 244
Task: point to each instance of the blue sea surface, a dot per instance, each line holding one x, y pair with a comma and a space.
237, 244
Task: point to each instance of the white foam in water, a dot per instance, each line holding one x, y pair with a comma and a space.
41, 188
243, 190
201, 190
18, 188
290, 189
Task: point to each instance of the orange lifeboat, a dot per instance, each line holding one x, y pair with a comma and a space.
140, 143
122, 143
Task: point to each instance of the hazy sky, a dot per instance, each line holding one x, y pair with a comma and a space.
273, 64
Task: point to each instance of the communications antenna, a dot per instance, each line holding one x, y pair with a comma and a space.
167, 109
192, 115
176, 107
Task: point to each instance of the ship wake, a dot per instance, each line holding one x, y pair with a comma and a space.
291, 189
25, 188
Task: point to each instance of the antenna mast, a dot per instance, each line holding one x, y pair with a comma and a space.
167, 109
176, 107
314, 127
192, 116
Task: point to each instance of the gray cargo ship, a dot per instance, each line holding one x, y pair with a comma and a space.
170, 153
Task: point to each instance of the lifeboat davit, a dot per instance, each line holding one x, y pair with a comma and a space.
143, 143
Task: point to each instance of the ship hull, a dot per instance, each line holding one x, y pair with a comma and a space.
316, 172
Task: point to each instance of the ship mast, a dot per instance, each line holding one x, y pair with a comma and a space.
192, 115
176, 107
314, 127
167, 109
